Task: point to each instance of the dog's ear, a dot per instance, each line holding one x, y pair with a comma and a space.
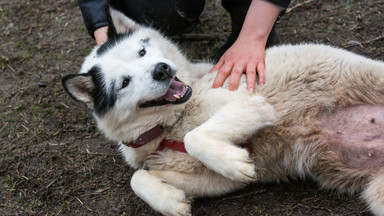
80, 88
118, 23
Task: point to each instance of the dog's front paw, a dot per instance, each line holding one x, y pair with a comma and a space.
236, 165
228, 160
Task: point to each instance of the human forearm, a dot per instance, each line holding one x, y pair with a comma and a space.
247, 54
259, 21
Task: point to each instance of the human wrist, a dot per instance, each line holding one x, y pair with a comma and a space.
101, 35
254, 39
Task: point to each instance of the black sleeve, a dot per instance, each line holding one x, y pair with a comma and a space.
93, 12
281, 3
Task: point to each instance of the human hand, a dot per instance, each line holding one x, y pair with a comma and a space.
101, 35
247, 54
242, 56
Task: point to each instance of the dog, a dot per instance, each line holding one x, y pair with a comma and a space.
320, 115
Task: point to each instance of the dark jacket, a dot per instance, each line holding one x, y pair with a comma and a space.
93, 11
281, 3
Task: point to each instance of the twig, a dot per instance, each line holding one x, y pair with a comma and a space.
298, 5
79, 201
5, 125
97, 153
299, 205
25, 127
11, 68
50, 184
66, 106
102, 190
57, 144
323, 208
355, 43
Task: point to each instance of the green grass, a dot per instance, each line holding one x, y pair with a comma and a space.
8, 182
259, 210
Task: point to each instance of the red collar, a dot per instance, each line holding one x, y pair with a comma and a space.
152, 134
165, 143
171, 144
179, 146
146, 137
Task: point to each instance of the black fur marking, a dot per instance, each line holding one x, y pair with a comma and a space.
111, 42
103, 98
145, 40
111, 28
113, 37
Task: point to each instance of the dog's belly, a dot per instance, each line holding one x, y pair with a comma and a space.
356, 134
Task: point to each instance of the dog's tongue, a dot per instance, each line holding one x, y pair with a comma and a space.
177, 88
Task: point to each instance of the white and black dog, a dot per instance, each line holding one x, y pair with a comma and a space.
319, 115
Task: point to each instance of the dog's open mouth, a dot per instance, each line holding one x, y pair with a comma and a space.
178, 92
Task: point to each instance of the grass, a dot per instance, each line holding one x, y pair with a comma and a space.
40, 109
344, 199
259, 210
8, 182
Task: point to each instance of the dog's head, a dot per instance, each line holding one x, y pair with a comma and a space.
129, 83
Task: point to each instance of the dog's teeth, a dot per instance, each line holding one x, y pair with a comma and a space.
176, 96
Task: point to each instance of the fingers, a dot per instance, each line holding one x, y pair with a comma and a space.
234, 79
217, 66
251, 77
234, 70
222, 75
261, 71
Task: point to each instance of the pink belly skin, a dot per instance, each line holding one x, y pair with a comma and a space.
356, 134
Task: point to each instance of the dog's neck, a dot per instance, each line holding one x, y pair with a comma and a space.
152, 134
146, 137
157, 131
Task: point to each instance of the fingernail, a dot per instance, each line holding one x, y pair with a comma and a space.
251, 90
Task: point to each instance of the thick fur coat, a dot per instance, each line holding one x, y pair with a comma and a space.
319, 115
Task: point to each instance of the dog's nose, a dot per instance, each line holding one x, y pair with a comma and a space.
162, 72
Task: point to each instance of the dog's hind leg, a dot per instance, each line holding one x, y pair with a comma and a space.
202, 184
170, 192
160, 195
374, 194
213, 142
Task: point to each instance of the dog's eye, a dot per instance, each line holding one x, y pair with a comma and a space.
125, 83
142, 52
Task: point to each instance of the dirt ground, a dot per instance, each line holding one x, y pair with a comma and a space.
53, 161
